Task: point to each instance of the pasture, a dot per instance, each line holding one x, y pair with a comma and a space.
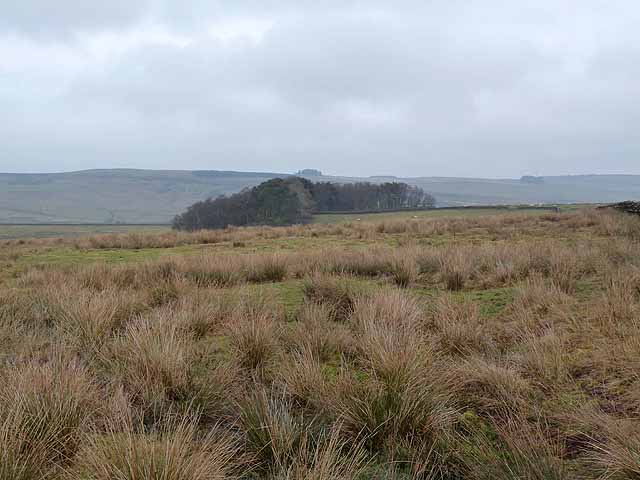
14, 231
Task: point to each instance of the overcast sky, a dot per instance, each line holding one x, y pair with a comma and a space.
412, 88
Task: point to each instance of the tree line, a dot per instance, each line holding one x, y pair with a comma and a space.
292, 200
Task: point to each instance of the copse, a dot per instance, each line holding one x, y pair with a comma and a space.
274, 202
294, 200
364, 196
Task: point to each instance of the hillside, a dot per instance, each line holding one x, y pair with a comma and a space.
155, 196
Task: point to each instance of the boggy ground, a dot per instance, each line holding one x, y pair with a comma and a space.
496, 347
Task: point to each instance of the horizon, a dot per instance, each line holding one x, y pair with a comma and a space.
324, 174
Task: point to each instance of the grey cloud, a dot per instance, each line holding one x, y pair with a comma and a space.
420, 88
46, 19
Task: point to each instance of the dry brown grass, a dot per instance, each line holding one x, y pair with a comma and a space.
491, 389
151, 360
337, 294
254, 337
521, 450
303, 379
314, 333
442, 348
173, 451
458, 327
44, 410
331, 458
615, 454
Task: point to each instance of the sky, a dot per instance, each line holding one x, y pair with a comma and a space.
473, 88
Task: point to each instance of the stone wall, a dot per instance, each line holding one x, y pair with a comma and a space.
628, 206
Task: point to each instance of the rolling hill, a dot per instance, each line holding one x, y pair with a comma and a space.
155, 196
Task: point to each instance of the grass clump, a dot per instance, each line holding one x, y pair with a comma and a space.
518, 450
44, 411
254, 338
272, 268
338, 294
174, 451
151, 360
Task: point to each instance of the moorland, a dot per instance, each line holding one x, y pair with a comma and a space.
489, 346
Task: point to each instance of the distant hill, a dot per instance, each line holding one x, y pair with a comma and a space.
155, 196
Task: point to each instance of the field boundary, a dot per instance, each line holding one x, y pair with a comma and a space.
468, 207
5, 224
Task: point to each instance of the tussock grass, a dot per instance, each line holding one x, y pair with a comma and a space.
43, 412
304, 380
411, 404
173, 451
455, 269
459, 328
489, 388
254, 337
273, 431
520, 450
89, 319
338, 294
329, 458
314, 333
151, 360
404, 271
436, 348
615, 454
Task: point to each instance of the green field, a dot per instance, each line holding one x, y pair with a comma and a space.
14, 232
448, 212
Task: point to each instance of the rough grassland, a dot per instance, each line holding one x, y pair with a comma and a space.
16, 232
477, 347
